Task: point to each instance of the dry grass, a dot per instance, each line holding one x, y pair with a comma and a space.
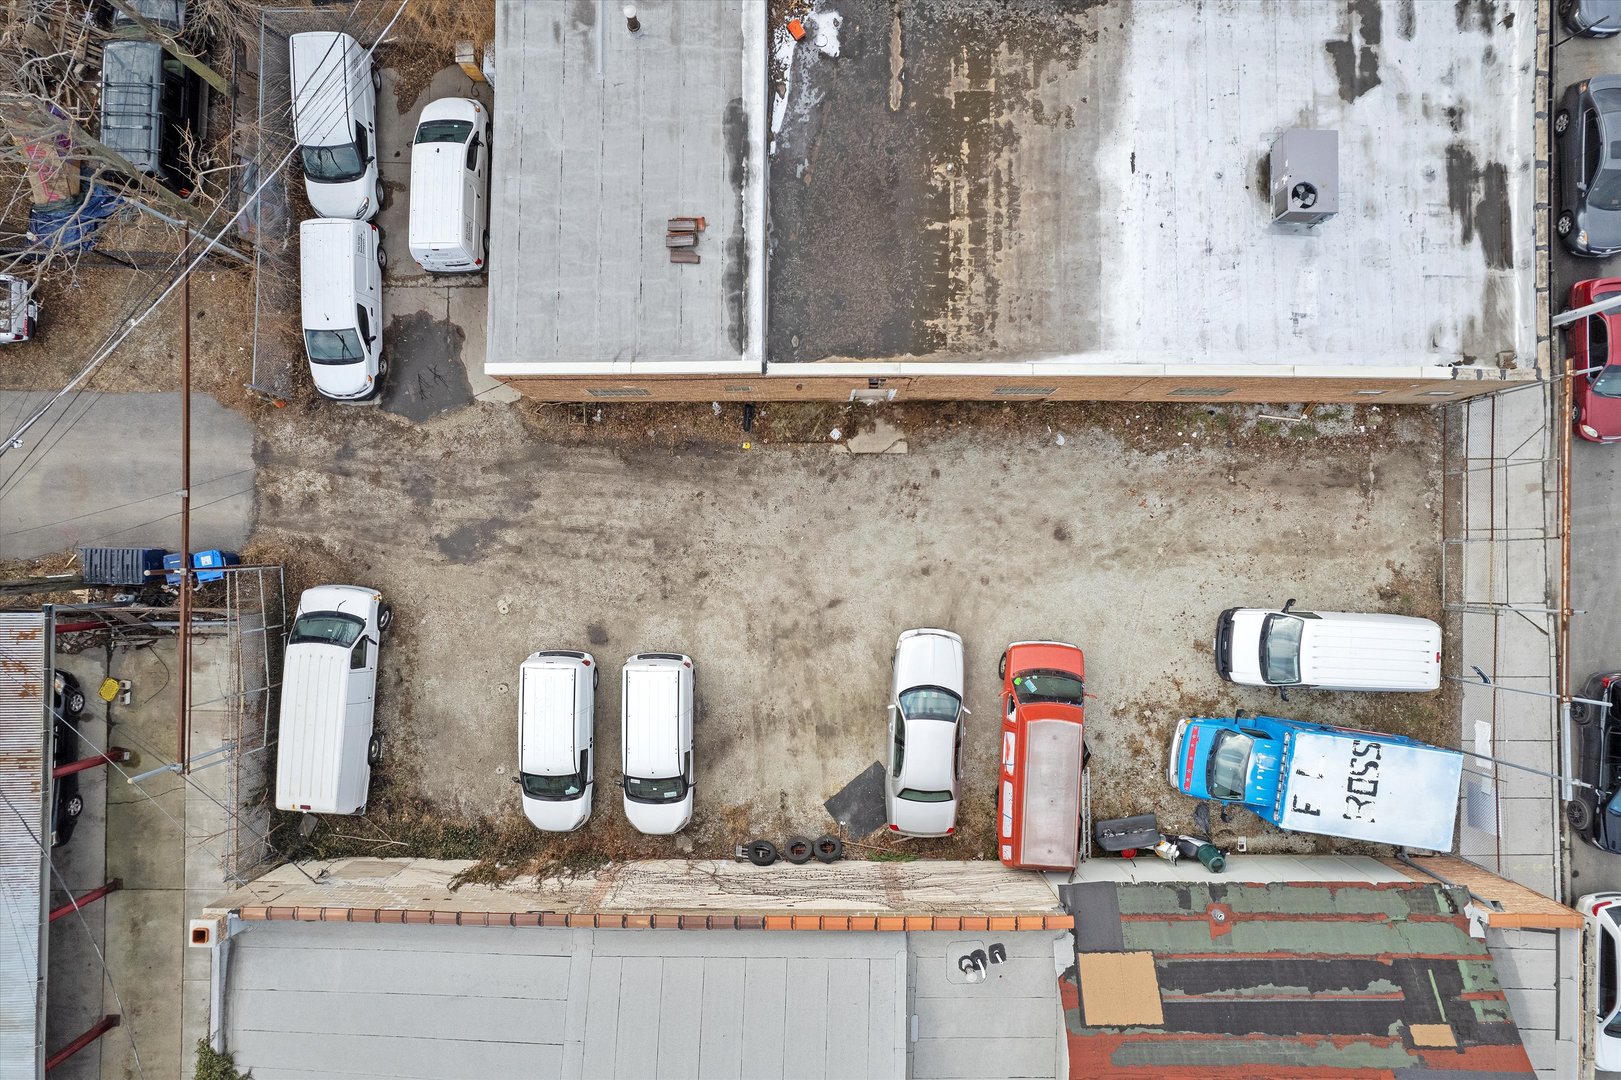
424, 41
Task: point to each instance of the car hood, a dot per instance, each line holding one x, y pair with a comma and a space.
1602, 414
1246, 658
1603, 227
659, 819
558, 815
347, 200
341, 380
929, 658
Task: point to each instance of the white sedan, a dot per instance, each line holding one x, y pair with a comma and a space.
1601, 911
922, 783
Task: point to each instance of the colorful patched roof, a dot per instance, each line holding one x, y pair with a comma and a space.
1226, 980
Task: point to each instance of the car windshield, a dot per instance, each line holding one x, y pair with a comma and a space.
327, 628
1061, 687
664, 789
930, 703
1229, 764
443, 131
333, 164
1280, 649
914, 795
553, 787
333, 346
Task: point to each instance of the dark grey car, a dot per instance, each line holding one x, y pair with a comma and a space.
1592, 18
1587, 127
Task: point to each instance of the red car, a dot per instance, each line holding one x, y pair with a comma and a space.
1038, 787
1595, 394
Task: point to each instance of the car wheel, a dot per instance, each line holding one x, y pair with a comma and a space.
1579, 816
74, 806
382, 257
74, 703
762, 852
374, 750
1565, 223
376, 78
1579, 713
797, 850
385, 617
829, 848
596, 677
1001, 667
1561, 122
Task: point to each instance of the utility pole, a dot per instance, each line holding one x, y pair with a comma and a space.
184, 757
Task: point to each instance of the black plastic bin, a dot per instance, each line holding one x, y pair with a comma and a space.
121, 566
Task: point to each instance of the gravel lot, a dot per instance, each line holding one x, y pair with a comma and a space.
787, 570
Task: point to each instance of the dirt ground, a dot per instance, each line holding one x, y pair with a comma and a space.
786, 571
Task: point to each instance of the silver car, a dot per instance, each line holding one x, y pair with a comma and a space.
923, 777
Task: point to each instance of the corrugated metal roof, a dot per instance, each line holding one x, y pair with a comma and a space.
1310, 980
24, 861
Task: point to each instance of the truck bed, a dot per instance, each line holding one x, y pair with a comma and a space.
1365, 789
1051, 811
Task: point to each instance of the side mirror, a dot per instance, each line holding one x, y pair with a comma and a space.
516, 780
1283, 695
1288, 604
1239, 714
966, 711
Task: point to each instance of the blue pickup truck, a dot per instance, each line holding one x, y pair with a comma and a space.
1335, 781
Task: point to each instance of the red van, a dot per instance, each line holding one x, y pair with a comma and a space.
1038, 792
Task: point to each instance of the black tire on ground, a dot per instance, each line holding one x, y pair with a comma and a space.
74, 703
1565, 223
1579, 713
829, 848
74, 806
374, 750
797, 850
1561, 122
762, 852
1579, 815
1001, 667
385, 614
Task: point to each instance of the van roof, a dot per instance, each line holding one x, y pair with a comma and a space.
1397, 652
318, 61
310, 760
131, 93
438, 175
651, 706
546, 704
326, 270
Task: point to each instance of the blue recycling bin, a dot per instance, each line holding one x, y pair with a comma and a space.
206, 565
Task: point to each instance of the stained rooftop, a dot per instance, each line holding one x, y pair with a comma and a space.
1087, 184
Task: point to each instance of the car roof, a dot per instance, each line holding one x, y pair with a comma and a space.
930, 745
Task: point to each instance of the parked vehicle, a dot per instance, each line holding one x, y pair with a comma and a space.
1595, 406
1038, 792
1587, 127
19, 314
67, 701
923, 781
1314, 778
1327, 650
557, 697
327, 746
1591, 18
341, 289
1594, 813
150, 101
334, 90
656, 714
450, 162
1600, 914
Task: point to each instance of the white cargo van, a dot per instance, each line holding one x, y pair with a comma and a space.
450, 172
1327, 650
557, 693
326, 747
341, 282
656, 733
335, 121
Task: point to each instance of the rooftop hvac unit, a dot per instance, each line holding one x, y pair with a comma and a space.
1305, 176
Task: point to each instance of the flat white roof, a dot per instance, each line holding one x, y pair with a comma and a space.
1089, 187
25, 826
600, 137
